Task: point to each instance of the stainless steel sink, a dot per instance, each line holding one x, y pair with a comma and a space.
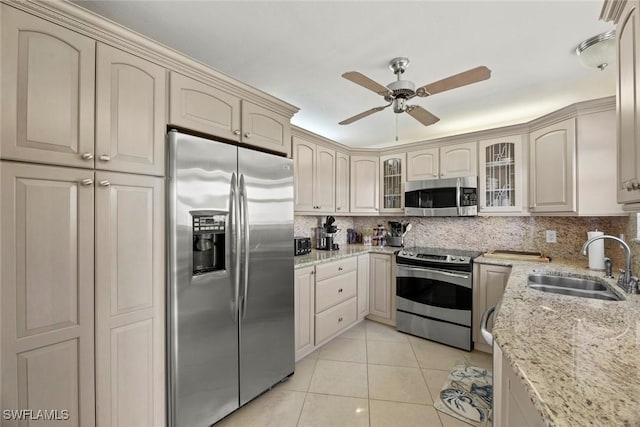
585, 287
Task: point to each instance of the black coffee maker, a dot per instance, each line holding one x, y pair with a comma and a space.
325, 235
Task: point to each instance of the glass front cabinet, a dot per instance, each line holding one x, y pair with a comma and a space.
501, 175
392, 176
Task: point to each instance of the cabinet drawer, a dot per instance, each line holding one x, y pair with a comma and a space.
330, 269
335, 319
334, 290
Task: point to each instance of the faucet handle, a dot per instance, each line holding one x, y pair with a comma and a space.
633, 285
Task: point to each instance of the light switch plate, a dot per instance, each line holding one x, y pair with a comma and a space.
551, 236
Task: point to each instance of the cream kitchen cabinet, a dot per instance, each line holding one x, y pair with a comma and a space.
392, 179
628, 103
553, 168
502, 173
423, 164
488, 287
365, 184
342, 182
200, 107
314, 177
381, 289
130, 113
363, 286
304, 311
459, 160
48, 86
512, 405
55, 76
55, 309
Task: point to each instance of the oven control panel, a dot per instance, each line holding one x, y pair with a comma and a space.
460, 259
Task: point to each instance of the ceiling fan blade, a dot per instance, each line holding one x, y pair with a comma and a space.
366, 82
462, 79
422, 115
362, 115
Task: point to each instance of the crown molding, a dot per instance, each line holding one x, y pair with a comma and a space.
612, 10
83, 21
299, 132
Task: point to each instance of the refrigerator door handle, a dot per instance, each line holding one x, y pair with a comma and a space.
234, 215
245, 228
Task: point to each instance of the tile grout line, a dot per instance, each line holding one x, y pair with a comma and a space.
306, 393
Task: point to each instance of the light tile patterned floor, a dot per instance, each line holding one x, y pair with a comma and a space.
371, 375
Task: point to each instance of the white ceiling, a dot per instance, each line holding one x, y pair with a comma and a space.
297, 51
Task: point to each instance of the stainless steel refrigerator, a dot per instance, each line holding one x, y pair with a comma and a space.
230, 264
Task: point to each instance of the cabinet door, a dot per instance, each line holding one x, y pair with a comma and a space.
392, 179
129, 303
363, 286
628, 99
48, 75
265, 129
501, 174
423, 164
459, 160
197, 106
325, 179
47, 296
380, 286
304, 164
130, 113
304, 311
364, 184
490, 281
342, 182
553, 168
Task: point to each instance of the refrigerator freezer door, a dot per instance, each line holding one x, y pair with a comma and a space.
267, 323
202, 331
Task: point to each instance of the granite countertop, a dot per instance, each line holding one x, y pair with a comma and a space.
318, 257
578, 358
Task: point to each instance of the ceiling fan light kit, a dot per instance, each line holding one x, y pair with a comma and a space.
397, 93
598, 51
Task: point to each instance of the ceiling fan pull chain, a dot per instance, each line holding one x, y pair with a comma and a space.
396, 128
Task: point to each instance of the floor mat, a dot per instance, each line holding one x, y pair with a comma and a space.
467, 394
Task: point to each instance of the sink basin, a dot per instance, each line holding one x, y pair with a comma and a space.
585, 287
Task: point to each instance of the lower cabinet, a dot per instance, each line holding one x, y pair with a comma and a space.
488, 287
82, 292
363, 286
511, 403
382, 289
304, 307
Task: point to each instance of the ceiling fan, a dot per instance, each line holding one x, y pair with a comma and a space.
399, 92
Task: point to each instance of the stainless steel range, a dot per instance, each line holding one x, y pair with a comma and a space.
434, 294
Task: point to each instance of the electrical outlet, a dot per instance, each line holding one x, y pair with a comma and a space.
551, 236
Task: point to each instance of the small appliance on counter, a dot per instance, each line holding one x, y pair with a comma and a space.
397, 231
325, 236
301, 245
379, 236
353, 236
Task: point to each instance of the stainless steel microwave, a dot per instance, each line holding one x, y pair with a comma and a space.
442, 197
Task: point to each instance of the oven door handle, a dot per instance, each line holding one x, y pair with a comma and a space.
461, 279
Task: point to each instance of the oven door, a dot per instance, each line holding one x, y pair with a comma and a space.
437, 294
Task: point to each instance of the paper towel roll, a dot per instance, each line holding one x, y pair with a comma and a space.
596, 251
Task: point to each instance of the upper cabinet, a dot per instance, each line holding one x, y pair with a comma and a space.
342, 182
628, 103
392, 179
365, 182
48, 84
553, 169
130, 113
200, 107
448, 161
458, 160
314, 177
501, 174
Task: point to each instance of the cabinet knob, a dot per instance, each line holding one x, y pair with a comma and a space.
247, 135
105, 183
87, 156
86, 182
339, 319
635, 185
340, 290
236, 132
338, 208
339, 268
104, 158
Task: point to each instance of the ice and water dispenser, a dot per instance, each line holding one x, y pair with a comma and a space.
208, 241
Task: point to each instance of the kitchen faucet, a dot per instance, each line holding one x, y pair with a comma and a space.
626, 281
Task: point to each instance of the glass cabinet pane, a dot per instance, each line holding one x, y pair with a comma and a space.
392, 180
500, 185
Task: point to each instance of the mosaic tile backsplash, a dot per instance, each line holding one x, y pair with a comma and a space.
487, 233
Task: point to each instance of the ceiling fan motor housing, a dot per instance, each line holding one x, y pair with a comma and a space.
401, 89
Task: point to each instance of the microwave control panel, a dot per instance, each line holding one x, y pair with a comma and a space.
468, 197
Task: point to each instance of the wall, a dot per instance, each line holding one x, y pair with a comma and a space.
486, 233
